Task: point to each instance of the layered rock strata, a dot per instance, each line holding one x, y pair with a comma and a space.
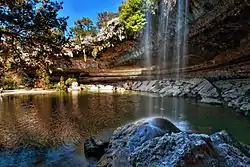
233, 93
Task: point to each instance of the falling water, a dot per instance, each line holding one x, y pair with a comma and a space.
180, 45
171, 40
163, 38
148, 53
181, 35
163, 42
148, 42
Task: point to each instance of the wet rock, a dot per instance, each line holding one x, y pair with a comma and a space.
94, 148
236, 102
126, 86
151, 85
195, 81
210, 100
201, 85
171, 91
180, 149
230, 152
157, 142
233, 93
143, 86
127, 138
223, 85
206, 89
134, 84
245, 107
163, 90
178, 83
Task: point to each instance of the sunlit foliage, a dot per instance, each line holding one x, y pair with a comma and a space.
131, 16
31, 33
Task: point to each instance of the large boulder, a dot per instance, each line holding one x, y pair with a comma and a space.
94, 148
129, 137
157, 142
179, 149
230, 152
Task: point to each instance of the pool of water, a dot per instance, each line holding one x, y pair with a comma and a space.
49, 129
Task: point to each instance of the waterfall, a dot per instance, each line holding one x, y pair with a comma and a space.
148, 42
181, 36
163, 38
170, 44
148, 54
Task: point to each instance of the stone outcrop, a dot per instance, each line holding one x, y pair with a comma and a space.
94, 148
142, 144
233, 93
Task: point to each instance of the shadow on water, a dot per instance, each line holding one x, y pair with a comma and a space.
49, 130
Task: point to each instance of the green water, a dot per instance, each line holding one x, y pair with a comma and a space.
55, 120
62, 118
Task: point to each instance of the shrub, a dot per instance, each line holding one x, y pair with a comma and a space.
69, 81
8, 83
27, 82
61, 85
42, 78
132, 16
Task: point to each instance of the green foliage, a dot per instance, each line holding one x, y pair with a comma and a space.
69, 81
10, 64
27, 82
8, 83
31, 33
61, 85
95, 51
43, 78
132, 16
83, 28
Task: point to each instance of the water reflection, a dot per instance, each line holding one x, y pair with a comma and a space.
60, 122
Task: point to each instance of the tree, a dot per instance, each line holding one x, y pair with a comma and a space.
132, 16
31, 32
84, 27
104, 17
30, 25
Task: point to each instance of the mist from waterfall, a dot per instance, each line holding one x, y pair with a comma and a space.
163, 41
148, 52
181, 36
165, 45
148, 41
167, 50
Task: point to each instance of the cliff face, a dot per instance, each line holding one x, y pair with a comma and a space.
219, 34
223, 29
216, 28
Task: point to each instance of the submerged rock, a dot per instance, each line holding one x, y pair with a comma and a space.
157, 142
94, 148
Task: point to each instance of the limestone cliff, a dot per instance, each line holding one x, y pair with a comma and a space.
219, 34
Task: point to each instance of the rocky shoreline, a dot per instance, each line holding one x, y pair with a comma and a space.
157, 142
232, 93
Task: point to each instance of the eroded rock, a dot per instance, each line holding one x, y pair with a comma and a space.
210, 100
127, 138
157, 142
94, 148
